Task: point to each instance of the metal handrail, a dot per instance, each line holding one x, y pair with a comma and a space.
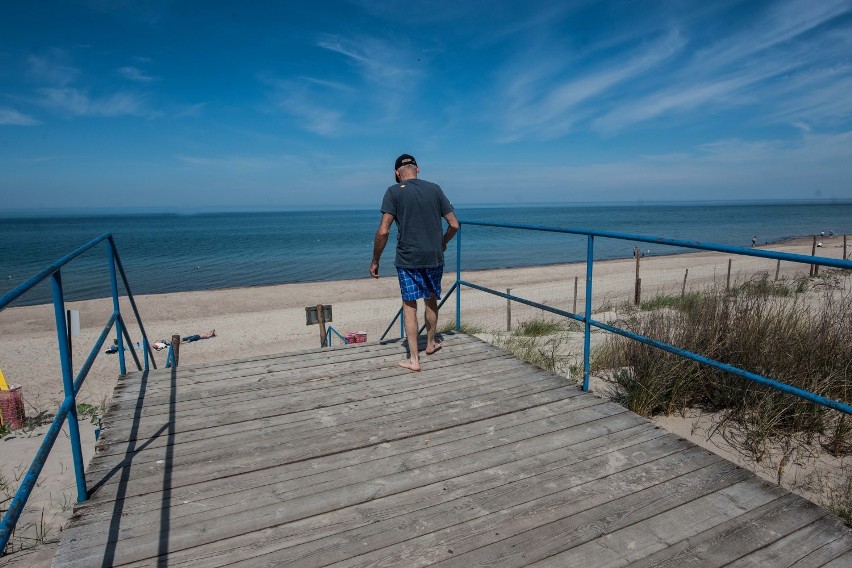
329, 336
588, 322
71, 384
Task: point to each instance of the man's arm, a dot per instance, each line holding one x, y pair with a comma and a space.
380, 241
452, 228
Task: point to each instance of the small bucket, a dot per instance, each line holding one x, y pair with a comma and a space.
12, 408
356, 337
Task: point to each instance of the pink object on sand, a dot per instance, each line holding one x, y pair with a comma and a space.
12, 407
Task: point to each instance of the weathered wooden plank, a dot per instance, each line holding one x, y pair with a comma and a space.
374, 393
509, 432
808, 547
333, 439
626, 541
584, 434
358, 386
338, 456
449, 442
282, 360
354, 388
532, 500
739, 536
843, 561
162, 386
550, 464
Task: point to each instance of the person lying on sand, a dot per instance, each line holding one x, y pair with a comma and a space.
163, 343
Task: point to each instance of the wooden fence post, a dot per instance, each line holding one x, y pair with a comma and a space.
323, 332
812, 271
637, 291
176, 349
777, 269
844, 247
683, 288
728, 280
508, 311
574, 311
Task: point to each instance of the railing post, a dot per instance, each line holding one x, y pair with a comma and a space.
119, 331
587, 332
458, 279
68, 385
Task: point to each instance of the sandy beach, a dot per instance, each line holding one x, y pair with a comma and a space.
271, 319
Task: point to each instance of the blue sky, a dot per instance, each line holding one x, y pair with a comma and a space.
226, 105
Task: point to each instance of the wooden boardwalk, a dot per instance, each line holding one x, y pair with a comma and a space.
341, 458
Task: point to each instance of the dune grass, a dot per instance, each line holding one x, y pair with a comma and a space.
798, 333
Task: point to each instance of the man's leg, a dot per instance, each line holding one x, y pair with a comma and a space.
431, 324
409, 311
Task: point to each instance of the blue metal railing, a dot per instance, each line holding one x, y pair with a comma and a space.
588, 322
330, 332
71, 384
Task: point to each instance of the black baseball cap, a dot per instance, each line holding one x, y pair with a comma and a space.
404, 160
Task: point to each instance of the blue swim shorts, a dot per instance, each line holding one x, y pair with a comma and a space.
417, 283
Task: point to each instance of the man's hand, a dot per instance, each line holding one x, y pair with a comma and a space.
380, 241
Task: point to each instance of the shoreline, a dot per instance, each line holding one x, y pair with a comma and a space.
784, 242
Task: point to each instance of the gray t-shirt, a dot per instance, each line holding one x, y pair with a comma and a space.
418, 207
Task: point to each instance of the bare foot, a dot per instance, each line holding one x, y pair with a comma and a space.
434, 349
410, 365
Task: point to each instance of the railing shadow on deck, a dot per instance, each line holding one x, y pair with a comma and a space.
72, 384
586, 317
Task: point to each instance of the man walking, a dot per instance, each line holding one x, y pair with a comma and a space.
417, 206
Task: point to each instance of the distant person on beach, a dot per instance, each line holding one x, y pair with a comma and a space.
417, 207
753, 241
163, 343
191, 338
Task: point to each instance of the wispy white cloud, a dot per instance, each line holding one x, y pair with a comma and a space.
544, 103
772, 59
385, 77
751, 67
379, 61
76, 102
9, 116
137, 75
782, 22
309, 103
52, 67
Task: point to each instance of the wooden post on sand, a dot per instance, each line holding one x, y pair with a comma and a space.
176, 349
844, 247
777, 269
508, 311
637, 292
813, 271
323, 332
574, 311
683, 288
728, 280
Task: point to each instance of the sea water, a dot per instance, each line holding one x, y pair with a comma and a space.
172, 253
